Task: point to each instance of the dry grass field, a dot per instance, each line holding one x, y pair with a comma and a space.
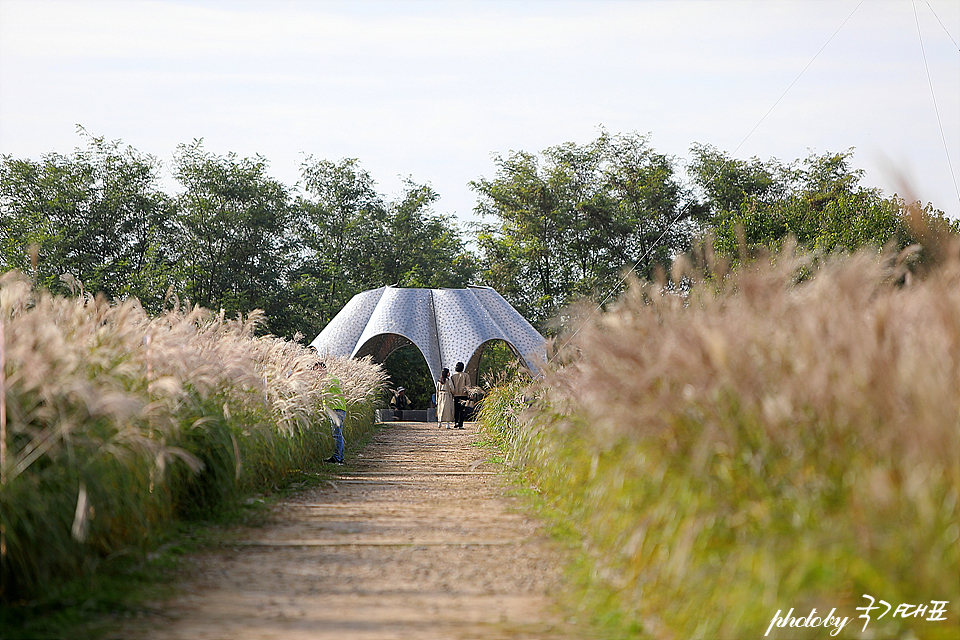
116, 424
730, 443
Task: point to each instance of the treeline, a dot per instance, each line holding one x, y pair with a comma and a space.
232, 238
561, 224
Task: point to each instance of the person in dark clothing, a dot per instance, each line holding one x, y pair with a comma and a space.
460, 382
400, 403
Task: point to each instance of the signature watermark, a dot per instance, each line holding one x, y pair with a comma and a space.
811, 620
934, 611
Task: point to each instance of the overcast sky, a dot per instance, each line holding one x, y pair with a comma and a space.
431, 90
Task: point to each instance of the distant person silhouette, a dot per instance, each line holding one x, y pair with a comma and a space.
460, 382
400, 402
445, 403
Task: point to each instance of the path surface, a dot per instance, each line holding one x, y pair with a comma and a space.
414, 539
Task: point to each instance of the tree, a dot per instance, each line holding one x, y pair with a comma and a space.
234, 242
819, 202
571, 220
98, 214
519, 251
729, 182
352, 240
425, 249
341, 231
659, 217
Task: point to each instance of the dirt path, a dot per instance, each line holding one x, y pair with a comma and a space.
413, 539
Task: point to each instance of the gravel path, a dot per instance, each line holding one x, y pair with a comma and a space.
413, 539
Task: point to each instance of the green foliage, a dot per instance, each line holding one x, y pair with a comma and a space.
233, 239
98, 214
234, 222
352, 240
407, 368
756, 206
502, 414
570, 220
565, 224
425, 249
498, 363
339, 237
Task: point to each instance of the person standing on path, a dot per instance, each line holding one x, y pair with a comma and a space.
460, 382
336, 409
445, 410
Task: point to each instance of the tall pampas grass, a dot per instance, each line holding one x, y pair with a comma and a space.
786, 435
116, 422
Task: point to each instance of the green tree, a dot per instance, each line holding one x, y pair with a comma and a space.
426, 249
407, 368
234, 243
818, 201
351, 239
727, 183
572, 219
98, 214
341, 230
519, 251
657, 216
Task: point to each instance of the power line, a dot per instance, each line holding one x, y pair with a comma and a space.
798, 76
933, 96
941, 23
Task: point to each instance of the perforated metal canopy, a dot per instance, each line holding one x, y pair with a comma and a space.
447, 325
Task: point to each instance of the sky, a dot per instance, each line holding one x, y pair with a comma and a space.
435, 90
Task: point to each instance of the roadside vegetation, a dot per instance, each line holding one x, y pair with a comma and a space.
723, 444
763, 423
119, 427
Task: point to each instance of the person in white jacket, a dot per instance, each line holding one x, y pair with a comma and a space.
445, 411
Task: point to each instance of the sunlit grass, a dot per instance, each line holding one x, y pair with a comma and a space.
117, 423
727, 444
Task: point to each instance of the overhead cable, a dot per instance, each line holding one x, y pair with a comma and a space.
933, 96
